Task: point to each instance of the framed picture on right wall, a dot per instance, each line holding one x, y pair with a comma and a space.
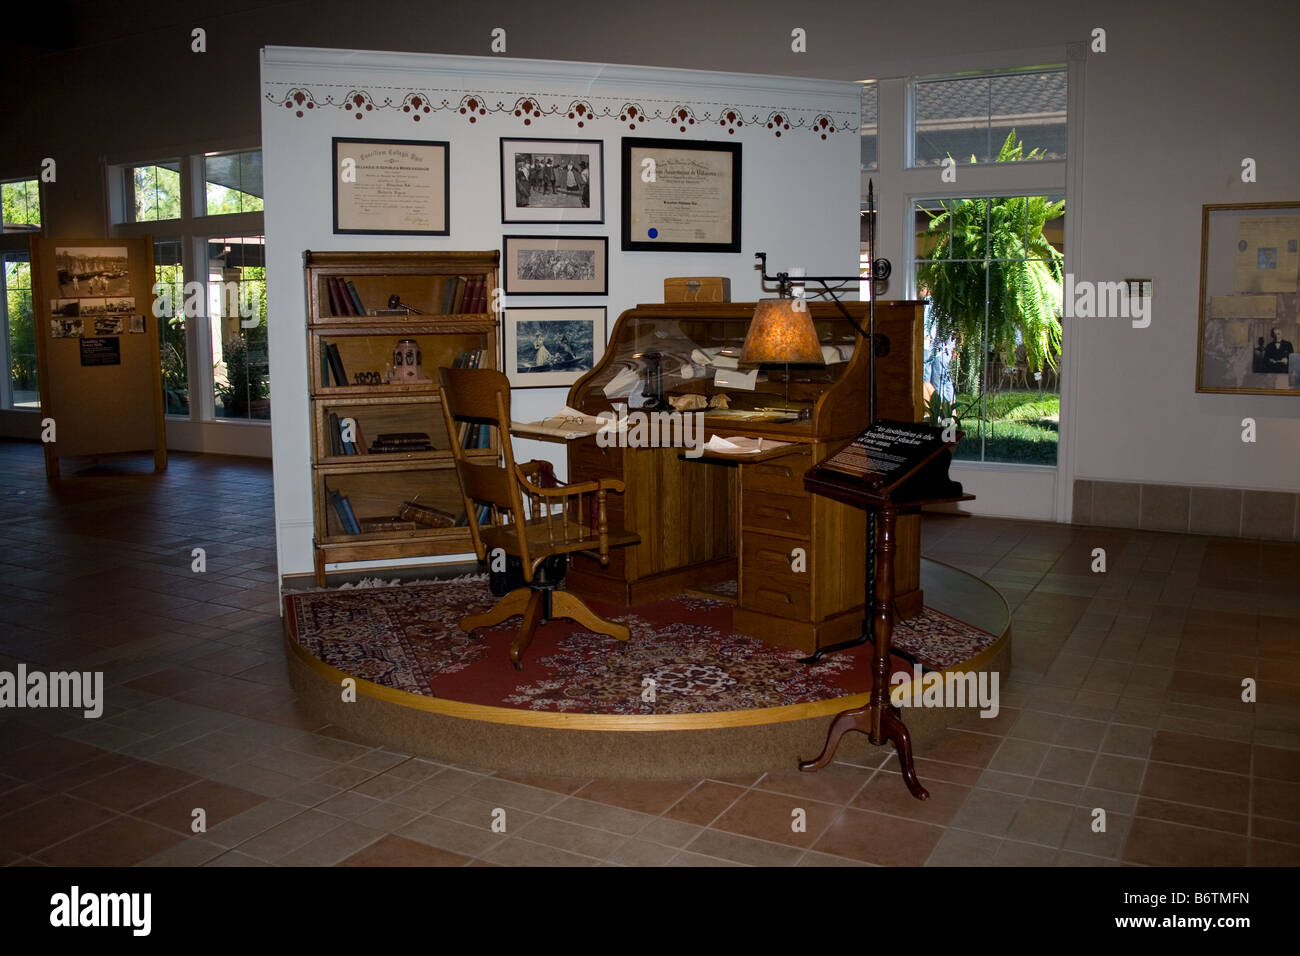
1250, 299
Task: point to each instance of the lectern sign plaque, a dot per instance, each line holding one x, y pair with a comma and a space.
887, 454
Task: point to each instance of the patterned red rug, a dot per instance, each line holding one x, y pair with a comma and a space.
408, 638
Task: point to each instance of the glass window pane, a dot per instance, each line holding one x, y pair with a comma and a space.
972, 118
952, 118
154, 192
237, 305
20, 205
993, 329
233, 182
1033, 106
170, 300
21, 331
869, 123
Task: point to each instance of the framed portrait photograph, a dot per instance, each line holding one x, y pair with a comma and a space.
394, 187
548, 348
680, 196
1250, 299
552, 180
555, 265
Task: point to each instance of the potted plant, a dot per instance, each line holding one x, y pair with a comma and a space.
243, 394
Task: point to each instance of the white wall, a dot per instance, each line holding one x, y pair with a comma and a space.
799, 199
1169, 113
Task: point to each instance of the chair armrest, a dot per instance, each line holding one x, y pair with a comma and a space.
583, 488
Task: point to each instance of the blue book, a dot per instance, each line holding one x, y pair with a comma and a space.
343, 508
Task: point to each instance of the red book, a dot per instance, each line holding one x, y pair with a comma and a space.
333, 295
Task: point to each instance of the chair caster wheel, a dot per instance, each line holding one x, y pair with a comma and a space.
518, 665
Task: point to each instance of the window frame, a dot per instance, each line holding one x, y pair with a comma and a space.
192, 230
909, 140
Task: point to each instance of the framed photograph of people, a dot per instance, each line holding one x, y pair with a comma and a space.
392, 187
680, 196
549, 348
555, 265
1250, 299
552, 180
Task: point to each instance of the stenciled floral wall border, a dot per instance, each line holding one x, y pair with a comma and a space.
645, 114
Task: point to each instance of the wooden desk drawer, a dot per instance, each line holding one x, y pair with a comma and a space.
782, 475
790, 514
770, 556
781, 596
588, 460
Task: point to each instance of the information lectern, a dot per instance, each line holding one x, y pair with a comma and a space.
891, 469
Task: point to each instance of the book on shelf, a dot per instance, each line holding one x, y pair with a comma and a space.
336, 443
354, 297
448, 294
343, 508
426, 515
332, 291
324, 365
345, 301
336, 365
362, 448
401, 443
462, 284
390, 523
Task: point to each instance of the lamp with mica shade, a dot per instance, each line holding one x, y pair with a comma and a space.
782, 332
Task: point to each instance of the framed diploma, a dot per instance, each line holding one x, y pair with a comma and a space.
1250, 299
395, 187
680, 196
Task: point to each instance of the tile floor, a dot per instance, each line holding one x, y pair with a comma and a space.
1126, 697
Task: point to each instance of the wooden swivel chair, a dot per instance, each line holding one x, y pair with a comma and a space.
538, 526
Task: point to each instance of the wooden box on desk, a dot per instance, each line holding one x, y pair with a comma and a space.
697, 289
704, 521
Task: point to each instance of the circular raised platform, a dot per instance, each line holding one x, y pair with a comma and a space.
630, 745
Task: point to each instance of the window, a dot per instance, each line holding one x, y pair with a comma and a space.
968, 118
867, 126
20, 205
153, 192
233, 182
210, 308
20, 331
991, 269
169, 270
238, 322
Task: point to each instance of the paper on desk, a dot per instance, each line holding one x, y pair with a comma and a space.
624, 383
740, 445
734, 378
569, 423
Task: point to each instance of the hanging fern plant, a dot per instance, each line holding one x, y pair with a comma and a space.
968, 240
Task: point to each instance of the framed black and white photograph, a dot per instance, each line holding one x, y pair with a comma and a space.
549, 348
391, 187
680, 196
92, 270
552, 180
1250, 299
555, 265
